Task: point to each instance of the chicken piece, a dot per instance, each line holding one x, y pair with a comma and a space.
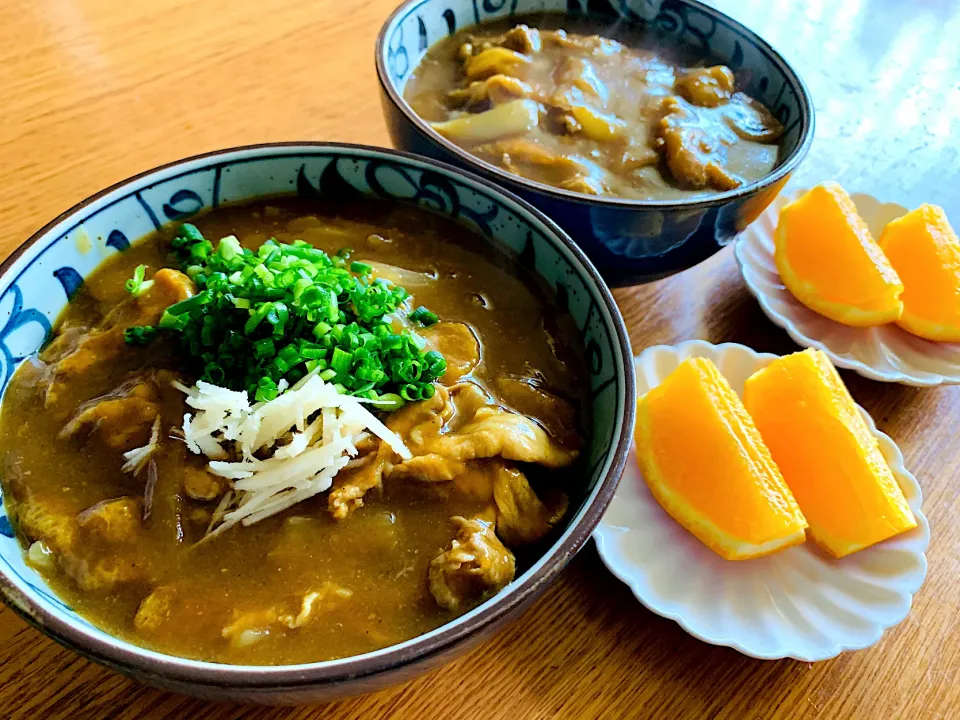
521, 38
494, 61
558, 416
351, 484
474, 565
458, 344
751, 120
583, 184
111, 521
329, 596
249, 627
522, 517
96, 548
706, 87
199, 484
495, 90
695, 157
155, 609
73, 354
524, 151
495, 432
413, 422
529, 159
476, 429
123, 419
593, 44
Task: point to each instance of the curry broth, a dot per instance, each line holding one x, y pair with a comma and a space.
382, 551
611, 66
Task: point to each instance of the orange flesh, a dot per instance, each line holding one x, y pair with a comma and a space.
828, 259
707, 465
925, 252
826, 453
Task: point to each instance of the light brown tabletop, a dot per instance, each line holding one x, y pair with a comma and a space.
93, 91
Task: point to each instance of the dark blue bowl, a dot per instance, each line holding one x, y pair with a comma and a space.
630, 241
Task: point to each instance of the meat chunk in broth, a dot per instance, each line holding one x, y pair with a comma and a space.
122, 419
458, 344
696, 157
478, 430
528, 397
74, 353
96, 548
522, 517
475, 564
200, 484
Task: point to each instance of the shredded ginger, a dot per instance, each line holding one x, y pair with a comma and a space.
320, 429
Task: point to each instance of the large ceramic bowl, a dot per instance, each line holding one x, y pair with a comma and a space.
630, 241
39, 278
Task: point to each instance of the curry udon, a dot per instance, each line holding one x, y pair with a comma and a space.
593, 108
125, 506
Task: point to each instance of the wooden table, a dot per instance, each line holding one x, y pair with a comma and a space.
92, 91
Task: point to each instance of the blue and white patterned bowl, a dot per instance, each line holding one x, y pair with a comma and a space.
630, 241
39, 278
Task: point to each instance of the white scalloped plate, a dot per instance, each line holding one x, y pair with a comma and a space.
798, 603
885, 353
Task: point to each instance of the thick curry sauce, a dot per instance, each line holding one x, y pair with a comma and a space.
301, 586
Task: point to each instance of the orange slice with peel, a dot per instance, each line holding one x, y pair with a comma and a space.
826, 453
925, 252
706, 465
828, 259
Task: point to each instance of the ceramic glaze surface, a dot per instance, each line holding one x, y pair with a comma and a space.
37, 282
629, 241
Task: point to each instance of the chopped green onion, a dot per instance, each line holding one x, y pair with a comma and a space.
424, 316
388, 402
288, 309
136, 285
139, 335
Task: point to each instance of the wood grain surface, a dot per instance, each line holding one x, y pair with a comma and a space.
93, 91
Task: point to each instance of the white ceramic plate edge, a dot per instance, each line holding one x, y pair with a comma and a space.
610, 538
761, 231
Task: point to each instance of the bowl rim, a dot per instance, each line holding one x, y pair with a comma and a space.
782, 171
124, 656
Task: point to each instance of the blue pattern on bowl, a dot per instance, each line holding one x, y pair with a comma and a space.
37, 281
628, 240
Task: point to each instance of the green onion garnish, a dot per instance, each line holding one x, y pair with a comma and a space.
140, 335
289, 309
136, 285
424, 316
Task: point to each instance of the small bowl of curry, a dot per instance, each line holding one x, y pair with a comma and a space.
652, 132
290, 422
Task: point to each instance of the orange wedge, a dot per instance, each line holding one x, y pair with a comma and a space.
828, 259
925, 252
826, 453
706, 464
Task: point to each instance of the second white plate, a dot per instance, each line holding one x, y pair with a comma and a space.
885, 353
798, 603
